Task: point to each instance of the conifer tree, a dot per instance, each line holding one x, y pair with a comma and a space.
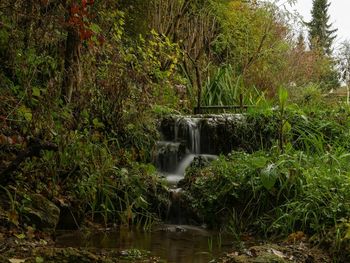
321, 34
301, 46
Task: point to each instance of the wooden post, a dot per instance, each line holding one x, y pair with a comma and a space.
241, 102
199, 88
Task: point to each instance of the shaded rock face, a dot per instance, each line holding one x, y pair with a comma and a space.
42, 213
70, 218
179, 212
169, 154
219, 134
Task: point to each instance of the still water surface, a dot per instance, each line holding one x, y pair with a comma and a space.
175, 244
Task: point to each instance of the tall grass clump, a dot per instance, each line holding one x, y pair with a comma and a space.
224, 88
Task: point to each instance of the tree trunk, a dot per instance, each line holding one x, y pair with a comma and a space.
72, 71
27, 23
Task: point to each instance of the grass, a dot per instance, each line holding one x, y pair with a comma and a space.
274, 193
224, 88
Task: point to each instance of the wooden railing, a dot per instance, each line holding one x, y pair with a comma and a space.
209, 109
218, 108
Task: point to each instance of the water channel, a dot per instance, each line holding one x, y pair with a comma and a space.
175, 243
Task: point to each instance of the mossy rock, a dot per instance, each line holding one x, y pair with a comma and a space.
41, 212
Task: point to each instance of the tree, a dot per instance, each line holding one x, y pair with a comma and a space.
321, 35
301, 42
344, 65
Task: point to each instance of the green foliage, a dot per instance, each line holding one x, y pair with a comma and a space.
321, 35
220, 90
253, 39
304, 188
309, 96
225, 89
105, 186
321, 38
127, 74
273, 193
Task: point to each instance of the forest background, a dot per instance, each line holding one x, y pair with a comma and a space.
88, 80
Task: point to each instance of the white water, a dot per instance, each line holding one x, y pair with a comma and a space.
179, 174
184, 164
190, 125
194, 131
190, 128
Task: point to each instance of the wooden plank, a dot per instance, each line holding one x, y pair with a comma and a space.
199, 110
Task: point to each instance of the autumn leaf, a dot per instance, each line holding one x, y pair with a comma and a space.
74, 9
83, 3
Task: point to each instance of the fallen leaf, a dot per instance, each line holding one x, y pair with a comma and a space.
278, 253
16, 260
20, 236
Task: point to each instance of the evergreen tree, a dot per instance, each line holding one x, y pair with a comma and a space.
321, 35
301, 42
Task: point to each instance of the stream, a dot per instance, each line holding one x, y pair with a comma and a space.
173, 243
179, 147
186, 140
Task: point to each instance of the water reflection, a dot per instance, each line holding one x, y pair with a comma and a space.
176, 244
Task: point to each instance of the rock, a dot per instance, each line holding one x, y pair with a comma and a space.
220, 134
168, 154
41, 212
273, 253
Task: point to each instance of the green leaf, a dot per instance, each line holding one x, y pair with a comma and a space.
97, 123
286, 127
259, 162
95, 28
283, 96
36, 92
20, 236
39, 260
25, 112
268, 176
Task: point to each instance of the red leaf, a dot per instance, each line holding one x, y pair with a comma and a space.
101, 40
75, 21
74, 9
85, 34
83, 3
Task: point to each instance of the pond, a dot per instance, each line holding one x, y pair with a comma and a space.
173, 243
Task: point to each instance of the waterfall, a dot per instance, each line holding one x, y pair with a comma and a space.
175, 155
187, 140
194, 131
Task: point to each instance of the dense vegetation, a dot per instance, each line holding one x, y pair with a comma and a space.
83, 83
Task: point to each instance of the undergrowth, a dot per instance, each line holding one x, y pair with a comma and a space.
274, 192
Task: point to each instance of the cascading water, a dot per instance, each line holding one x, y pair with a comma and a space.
187, 140
195, 136
173, 157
